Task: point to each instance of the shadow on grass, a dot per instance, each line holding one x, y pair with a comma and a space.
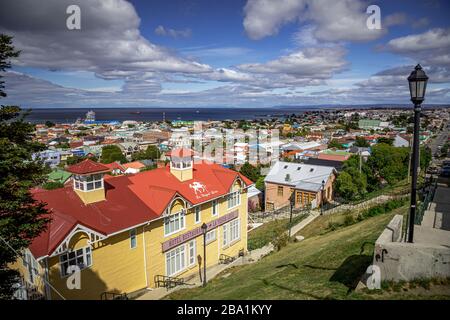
297, 291
351, 270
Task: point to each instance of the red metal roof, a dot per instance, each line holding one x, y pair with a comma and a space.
129, 201
87, 166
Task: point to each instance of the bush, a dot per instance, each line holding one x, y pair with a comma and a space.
51, 185
348, 220
281, 241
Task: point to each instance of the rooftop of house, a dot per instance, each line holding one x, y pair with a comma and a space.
129, 201
87, 166
134, 165
299, 175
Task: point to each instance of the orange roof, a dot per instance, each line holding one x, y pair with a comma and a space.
134, 165
87, 166
333, 157
114, 165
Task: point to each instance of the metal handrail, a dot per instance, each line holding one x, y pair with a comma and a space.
225, 259
115, 296
167, 282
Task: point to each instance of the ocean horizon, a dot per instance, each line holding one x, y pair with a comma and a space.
70, 115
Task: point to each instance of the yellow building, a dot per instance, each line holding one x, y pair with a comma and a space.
123, 234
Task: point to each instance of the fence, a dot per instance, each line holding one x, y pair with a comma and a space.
428, 196
281, 213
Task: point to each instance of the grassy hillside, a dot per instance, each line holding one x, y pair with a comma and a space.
323, 266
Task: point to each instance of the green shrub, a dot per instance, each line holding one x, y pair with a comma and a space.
281, 241
51, 185
349, 220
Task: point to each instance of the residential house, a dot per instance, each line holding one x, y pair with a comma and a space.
50, 158
298, 182
133, 167
128, 233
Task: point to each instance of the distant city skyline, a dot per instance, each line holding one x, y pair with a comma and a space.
254, 53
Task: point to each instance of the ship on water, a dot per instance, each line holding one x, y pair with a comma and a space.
91, 120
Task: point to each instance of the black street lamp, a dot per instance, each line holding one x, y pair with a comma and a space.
417, 86
291, 203
204, 230
321, 197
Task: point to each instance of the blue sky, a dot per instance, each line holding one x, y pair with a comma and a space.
254, 53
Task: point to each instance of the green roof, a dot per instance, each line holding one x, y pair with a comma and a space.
368, 123
336, 152
59, 175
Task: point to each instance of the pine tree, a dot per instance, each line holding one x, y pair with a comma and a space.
21, 217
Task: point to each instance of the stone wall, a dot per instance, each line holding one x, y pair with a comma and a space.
408, 261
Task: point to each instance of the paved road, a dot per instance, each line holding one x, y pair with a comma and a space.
439, 140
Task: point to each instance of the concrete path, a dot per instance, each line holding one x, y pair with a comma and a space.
310, 218
211, 273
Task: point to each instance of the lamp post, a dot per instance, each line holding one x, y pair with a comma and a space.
417, 86
204, 229
291, 203
321, 197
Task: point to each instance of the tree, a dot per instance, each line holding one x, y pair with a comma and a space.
7, 51
335, 144
49, 124
151, 153
389, 163
345, 186
388, 141
361, 142
22, 218
111, 154
259, 184
250, 171
425, 157
51, 185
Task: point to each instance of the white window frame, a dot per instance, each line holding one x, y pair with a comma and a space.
85, 254
211, 236
133, 236
192, 252
81, 182
233, 199
197, 214
174, 218
231, 232
215, 208
180, 253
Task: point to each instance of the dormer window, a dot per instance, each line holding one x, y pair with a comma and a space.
88, 182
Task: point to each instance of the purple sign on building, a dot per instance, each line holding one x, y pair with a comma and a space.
169, 244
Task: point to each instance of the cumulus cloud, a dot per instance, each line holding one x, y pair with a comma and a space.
437, 38
184, 33
317, 63
333, 21
109, 40
431, 48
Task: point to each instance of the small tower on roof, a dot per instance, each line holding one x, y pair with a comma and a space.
181, 163
88, 182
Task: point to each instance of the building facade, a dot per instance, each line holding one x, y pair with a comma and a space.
300, 183
128, 233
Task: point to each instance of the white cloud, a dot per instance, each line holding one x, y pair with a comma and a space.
437, 38
333, 21
109, 40
314, 63
184, 33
